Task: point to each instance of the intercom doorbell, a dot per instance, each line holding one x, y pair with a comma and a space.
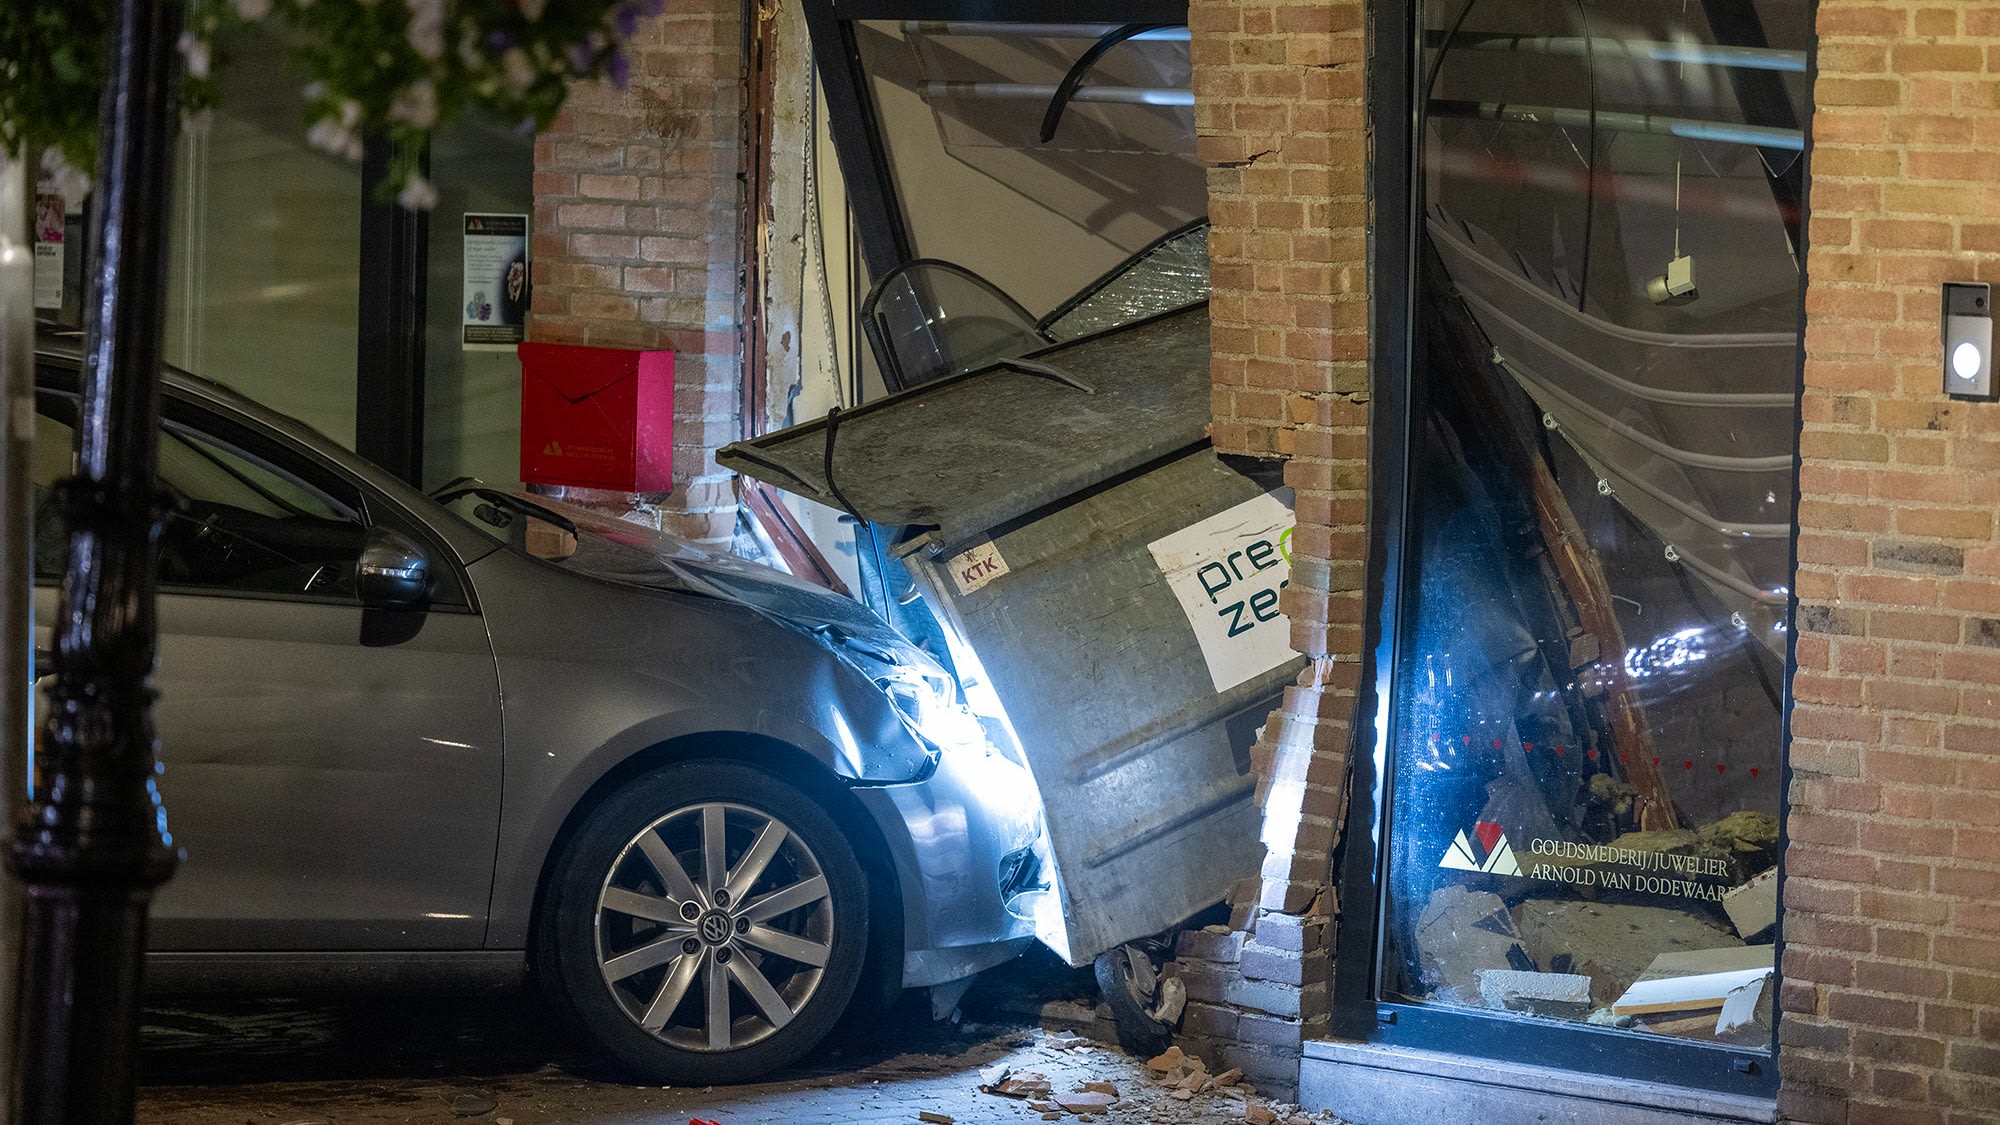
1968, 341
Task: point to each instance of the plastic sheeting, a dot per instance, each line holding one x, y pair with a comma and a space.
1691, 432
1169, 274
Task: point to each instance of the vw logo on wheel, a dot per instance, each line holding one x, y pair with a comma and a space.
715, 927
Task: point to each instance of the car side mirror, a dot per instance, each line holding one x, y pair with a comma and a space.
392, 572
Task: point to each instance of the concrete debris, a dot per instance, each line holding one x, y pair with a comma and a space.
994, 1075
1739, 1008
1100, 1088
1511, 988
1753, 907
1022, 1084
936, 1118
1167, 1060
1086, 1101
1459, 932
1257, 1114
1173, 1000
1611, 943
472, 1105
1065, 1040
1750, 838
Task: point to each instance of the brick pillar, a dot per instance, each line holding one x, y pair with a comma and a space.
1280, 116
1892, 892
637, 238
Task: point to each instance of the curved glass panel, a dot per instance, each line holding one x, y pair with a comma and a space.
1585, 762
932, 319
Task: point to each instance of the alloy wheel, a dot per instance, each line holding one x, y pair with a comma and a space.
714, 926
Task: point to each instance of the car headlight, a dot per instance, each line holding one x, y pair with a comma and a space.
921, 691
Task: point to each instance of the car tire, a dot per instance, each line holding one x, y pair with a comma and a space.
1130, 983
679, 980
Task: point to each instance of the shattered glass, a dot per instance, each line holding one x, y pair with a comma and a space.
1587, 714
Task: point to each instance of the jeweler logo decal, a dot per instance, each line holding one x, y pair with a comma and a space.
1464, 854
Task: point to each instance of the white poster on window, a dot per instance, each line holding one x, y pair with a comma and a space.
496, 282
49, 217
1226, 572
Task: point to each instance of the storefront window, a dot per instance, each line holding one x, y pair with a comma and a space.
962, 109
265, 274
1586, 745
472, 386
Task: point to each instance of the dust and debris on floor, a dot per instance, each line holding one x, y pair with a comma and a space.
497, 1061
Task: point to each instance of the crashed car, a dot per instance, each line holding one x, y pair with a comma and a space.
419, 742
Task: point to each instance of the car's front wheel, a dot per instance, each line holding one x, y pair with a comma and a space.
707, 923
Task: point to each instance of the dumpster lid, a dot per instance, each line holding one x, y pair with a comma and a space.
967, 453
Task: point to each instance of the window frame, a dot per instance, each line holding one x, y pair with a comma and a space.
1361, 862
307, 468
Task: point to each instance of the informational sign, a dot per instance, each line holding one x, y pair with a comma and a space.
1600, 866
1226, 572
49, 211
496, 282
976, 566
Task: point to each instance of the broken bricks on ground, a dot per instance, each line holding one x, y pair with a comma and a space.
1181, 1088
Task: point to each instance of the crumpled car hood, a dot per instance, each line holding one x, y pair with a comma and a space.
634, 555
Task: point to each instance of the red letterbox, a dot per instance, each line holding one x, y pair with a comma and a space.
597, 417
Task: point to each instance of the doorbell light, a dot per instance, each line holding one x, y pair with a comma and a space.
1967, 332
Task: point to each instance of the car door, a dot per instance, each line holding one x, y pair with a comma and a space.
332, 770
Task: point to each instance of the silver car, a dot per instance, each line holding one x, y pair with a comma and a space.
420, 742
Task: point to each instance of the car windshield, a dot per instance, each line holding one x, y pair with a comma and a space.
622, 551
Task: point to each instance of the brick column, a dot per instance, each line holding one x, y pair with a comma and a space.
1892, 892
1280, 116
637, 238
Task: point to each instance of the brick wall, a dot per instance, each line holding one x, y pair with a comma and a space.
637, 237
1892, 896
1280, 112
1892, 998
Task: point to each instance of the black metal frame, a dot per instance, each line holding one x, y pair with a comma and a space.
864, 159
1362, 864
389, 359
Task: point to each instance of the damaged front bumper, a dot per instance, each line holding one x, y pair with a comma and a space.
971, 851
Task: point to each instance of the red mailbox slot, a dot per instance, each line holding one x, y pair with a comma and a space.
597, 417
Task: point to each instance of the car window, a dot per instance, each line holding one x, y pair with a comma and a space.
238, 523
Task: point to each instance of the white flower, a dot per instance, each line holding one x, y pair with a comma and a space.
426, 30
70, 182
253, 9
416, 104
516, 71
418, 194
337, 134
195, 53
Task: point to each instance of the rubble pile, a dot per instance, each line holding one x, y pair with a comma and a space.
1665, 931
1070, 1086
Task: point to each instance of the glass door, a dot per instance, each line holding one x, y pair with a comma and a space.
1580, 823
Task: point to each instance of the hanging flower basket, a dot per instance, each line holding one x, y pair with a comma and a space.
397, 67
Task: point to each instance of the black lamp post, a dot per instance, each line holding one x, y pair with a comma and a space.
92, 845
